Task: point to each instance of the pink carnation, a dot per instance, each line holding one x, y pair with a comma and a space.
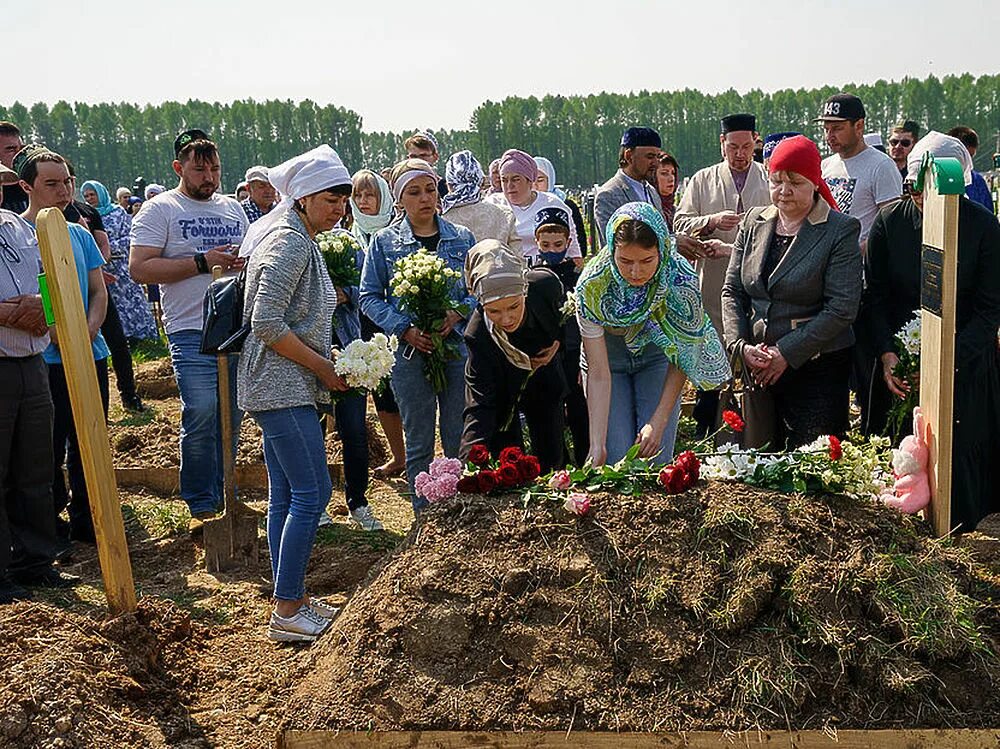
560, 481
421, 481
578, 503
446, 467
448, 486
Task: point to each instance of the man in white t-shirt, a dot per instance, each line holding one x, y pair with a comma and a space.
861, 178
177, 238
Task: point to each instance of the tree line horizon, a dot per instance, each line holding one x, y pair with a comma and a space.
118, 142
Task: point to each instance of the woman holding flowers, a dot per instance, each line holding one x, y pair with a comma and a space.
644, 332
791, 294
411, 287
286, 373
514, 338
373, 208
892, 298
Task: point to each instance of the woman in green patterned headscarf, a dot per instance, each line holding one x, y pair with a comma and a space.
644, 332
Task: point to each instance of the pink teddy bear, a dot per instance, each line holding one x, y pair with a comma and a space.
912, 490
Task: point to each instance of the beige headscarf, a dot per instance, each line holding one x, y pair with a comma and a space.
492, 272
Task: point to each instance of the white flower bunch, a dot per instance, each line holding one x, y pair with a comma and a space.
909, 336
337, 241
364, 364
421, 270
733, 464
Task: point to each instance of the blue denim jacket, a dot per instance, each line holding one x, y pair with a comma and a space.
346, 319
397, 241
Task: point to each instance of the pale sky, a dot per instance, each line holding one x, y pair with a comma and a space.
403, 65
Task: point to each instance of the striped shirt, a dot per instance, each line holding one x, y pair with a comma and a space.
20, 264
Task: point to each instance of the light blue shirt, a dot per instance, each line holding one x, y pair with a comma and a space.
640, 189
87, 258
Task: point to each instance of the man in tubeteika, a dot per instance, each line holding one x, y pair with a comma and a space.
711, 209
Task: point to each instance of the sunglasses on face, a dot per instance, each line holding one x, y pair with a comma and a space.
904, 142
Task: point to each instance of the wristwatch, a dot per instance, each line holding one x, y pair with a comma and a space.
200, 262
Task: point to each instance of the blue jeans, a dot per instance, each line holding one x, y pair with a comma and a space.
418, 407
636, 386
353, 431
201, 444
298, 487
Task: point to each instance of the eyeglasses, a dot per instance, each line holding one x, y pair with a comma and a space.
904, 142
9, 255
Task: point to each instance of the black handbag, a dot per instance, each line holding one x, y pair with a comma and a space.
223, 328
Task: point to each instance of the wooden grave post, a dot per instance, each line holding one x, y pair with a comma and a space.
942, 181
88, 413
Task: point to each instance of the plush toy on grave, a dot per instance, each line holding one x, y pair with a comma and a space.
912, 490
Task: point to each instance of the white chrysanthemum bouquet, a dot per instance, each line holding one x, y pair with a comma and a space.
423, 283
908, 369
340, 251
366, 364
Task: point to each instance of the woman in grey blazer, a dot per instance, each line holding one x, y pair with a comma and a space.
792, 291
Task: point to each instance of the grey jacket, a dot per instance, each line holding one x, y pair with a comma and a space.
612, 195
288, 290
808, 303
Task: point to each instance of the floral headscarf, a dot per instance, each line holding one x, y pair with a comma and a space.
666, 311
464, 176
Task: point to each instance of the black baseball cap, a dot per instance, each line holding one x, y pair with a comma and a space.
842, 108
186, 136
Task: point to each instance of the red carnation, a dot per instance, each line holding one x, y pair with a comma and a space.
479, 454
528, 468
673, 479
468, 484
510, 455
690, 463
508, 475
487, 481
836, 450
733, 420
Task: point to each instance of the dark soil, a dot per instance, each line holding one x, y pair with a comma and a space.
723, 608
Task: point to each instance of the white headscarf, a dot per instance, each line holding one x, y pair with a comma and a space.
302, 175
940, 145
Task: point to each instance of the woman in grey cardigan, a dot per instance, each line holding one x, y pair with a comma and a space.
792, 292
286, 373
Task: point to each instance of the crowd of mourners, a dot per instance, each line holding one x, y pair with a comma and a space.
775, 268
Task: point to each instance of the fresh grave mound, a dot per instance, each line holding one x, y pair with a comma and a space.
69, 681
725, 607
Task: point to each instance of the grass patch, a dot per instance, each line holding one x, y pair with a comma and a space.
147, 350
158, 519
340, 534
189, 600
118, 416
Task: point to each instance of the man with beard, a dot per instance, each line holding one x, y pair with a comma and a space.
711, 209
176, 241
637, 161
861, 178
904, 135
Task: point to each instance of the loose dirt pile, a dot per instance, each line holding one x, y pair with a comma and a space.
722, 608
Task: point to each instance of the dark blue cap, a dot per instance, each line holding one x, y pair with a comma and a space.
635, 137
772, 140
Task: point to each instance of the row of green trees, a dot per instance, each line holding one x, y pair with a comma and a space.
580, 134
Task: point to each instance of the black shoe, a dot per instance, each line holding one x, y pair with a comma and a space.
64, 551
83, 534
133, 403
11, 592
48, 578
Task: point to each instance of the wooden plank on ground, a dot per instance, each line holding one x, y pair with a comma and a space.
901, 739
166, 481
88, 413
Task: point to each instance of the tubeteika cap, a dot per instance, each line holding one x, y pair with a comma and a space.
735, 123
636, 137
842, 108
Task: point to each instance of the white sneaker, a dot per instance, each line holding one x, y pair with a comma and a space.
323, 609
325, 519
305, 626
364, 517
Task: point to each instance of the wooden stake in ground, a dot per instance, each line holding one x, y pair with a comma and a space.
942, 181
88, 413
232, 539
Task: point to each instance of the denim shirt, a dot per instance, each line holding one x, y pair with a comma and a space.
346, 319
394, 242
